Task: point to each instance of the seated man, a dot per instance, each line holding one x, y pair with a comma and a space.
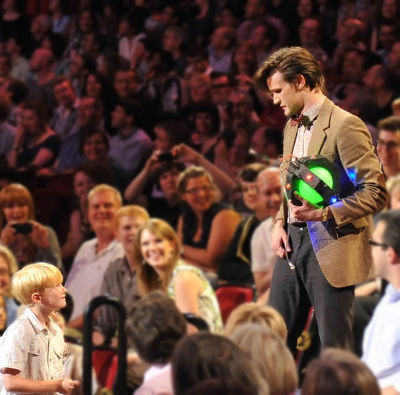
381, 343
120, 277
94, 256
263, 257
235, 265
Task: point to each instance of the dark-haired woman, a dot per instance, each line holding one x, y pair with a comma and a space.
35, 145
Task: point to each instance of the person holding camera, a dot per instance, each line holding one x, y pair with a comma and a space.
28, 239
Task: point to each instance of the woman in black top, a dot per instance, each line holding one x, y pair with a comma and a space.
35, 145
205, 226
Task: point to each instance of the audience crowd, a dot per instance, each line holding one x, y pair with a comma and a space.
139, 157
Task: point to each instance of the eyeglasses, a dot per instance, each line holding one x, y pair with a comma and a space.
374, 243
205, 188
388, 145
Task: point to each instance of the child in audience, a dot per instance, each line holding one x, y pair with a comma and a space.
33, 347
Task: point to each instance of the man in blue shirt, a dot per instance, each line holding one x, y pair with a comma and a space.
381, 343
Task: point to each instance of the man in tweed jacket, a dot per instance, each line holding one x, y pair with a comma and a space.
328, 247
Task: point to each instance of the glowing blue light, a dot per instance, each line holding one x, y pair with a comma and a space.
352, 174
333, 200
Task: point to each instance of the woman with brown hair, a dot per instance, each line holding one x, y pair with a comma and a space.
28, 239
157, 253
35, 145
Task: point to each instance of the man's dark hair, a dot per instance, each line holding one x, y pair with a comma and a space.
291, 62
391, 124
167, 167
249, 173
156, 326
391, 235
18, 91
131, 107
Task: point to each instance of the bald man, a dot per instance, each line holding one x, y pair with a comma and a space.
263, 256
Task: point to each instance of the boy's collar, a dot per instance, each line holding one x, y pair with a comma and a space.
36, 324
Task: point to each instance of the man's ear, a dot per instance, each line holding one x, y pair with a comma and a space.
300, 82
394, 258
36, 298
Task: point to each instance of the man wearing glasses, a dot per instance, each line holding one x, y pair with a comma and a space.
388, 145
381, 343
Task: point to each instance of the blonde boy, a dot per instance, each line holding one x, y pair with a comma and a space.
33, 348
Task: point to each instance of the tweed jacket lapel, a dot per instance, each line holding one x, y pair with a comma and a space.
321, 125
290, 137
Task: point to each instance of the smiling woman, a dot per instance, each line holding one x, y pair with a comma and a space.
205, 227
157, 254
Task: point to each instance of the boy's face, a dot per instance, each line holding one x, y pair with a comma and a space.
53, 298
126, 230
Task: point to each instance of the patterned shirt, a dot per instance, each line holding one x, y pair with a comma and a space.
37, 352
207, 301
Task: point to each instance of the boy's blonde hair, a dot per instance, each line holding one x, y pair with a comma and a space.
34, 278
131, 210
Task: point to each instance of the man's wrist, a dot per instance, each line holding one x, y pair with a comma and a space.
325, 214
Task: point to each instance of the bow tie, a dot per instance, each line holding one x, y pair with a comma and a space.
302, 120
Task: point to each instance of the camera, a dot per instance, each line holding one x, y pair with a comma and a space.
167, 156
23, 228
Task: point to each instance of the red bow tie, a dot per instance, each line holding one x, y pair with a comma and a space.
301, 120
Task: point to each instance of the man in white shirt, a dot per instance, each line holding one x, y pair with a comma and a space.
381, 343
263, 257
94, 256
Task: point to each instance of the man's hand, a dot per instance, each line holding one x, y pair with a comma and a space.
280, 240
305, 212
